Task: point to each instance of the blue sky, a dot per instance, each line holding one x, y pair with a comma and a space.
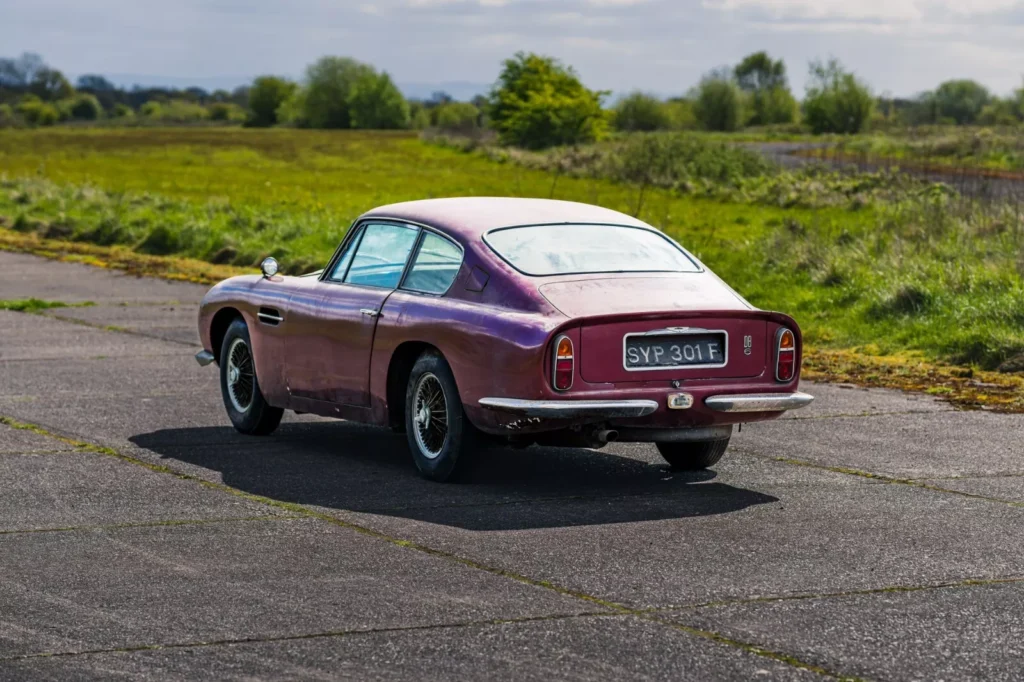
898, 46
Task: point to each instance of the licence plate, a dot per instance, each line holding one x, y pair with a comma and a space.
670, 351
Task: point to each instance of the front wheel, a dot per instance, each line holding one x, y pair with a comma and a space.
693, 456
440, 437
247, 409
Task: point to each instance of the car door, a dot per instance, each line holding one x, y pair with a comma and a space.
338, 337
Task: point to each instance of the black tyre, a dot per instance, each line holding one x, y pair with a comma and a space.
246, 407
441, 439
693, 456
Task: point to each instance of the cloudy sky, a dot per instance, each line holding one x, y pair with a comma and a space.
898, 46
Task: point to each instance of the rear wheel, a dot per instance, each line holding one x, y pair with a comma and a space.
247, 409
440, 437
693, 456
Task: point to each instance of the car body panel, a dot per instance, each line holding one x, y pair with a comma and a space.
495, 328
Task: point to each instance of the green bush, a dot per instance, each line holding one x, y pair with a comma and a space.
227, 112
539, 103
36, 112
122, 111
836, 101
7, 117
639, 112
266, 96
457, 117
85, 107
961, 100
151, 109
718, 104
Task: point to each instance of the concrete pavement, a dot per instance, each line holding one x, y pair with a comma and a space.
874, 535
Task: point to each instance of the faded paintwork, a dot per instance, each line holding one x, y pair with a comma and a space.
495, 328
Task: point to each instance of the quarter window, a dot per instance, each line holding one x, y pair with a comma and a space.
436, 265
338, 272
381, 255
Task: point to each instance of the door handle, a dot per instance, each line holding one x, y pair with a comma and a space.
370, 312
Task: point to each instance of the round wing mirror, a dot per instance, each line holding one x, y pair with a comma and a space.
269, 266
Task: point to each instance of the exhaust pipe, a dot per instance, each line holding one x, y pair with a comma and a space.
607, 435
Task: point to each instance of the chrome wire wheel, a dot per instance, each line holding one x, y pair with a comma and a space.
430, 416
241, 378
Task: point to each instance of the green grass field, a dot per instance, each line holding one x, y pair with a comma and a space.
887, 276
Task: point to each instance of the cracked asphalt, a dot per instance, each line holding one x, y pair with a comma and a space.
875, 535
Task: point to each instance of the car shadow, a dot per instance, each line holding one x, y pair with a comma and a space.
341, 466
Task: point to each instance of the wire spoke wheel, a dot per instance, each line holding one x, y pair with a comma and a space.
430, 416
241, 375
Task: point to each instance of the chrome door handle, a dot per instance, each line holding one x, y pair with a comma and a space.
370, 312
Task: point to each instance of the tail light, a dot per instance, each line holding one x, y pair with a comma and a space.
785, 363
563, 368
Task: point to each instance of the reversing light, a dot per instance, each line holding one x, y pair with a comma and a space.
563, 364
785, 363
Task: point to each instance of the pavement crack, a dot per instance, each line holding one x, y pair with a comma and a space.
883, 478
861, 415
301, 637
611, 607
115, 328
889, 589
148, 524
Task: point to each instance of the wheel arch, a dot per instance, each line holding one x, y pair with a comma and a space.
399, 368
222, 319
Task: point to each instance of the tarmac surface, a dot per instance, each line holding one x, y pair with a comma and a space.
874, 535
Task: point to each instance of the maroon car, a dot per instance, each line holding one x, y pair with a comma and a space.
531, 321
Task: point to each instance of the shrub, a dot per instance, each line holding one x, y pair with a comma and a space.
36, 112
266, 96
122, 111
226, 112
836, 101
640, 112
151, 109
457, 117
7, 117
961, 100
85, 107
718, 104
539, 103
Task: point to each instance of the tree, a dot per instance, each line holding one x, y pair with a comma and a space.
539, 103
765, 82
328, 87
266, 96
836, 101
18, 73
50, 84
641, 112
376, 103
95, 83
718, 105
961, 100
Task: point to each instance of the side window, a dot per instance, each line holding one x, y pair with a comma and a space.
381, 255
435, 267
338, 273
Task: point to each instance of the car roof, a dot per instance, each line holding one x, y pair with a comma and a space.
470, 217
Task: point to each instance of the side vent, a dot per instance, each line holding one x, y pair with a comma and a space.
270, 316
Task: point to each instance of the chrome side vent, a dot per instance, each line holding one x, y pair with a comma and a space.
270, 316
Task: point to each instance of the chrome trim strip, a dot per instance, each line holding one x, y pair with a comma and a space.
679, 331
204, 358
761, 402
572, 409
269, 319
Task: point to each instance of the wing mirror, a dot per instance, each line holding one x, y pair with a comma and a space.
269, 266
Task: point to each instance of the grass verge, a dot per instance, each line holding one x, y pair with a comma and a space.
963, 387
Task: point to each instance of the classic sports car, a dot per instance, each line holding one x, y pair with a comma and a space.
528, 320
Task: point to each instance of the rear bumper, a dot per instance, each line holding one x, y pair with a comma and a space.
624, 409
571, 409
760, 402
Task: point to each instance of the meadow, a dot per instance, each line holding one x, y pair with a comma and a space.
880, 271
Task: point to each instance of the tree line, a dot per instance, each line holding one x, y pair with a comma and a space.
536, 102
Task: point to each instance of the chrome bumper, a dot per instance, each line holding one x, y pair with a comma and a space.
571, 409
765, 402
204, 358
